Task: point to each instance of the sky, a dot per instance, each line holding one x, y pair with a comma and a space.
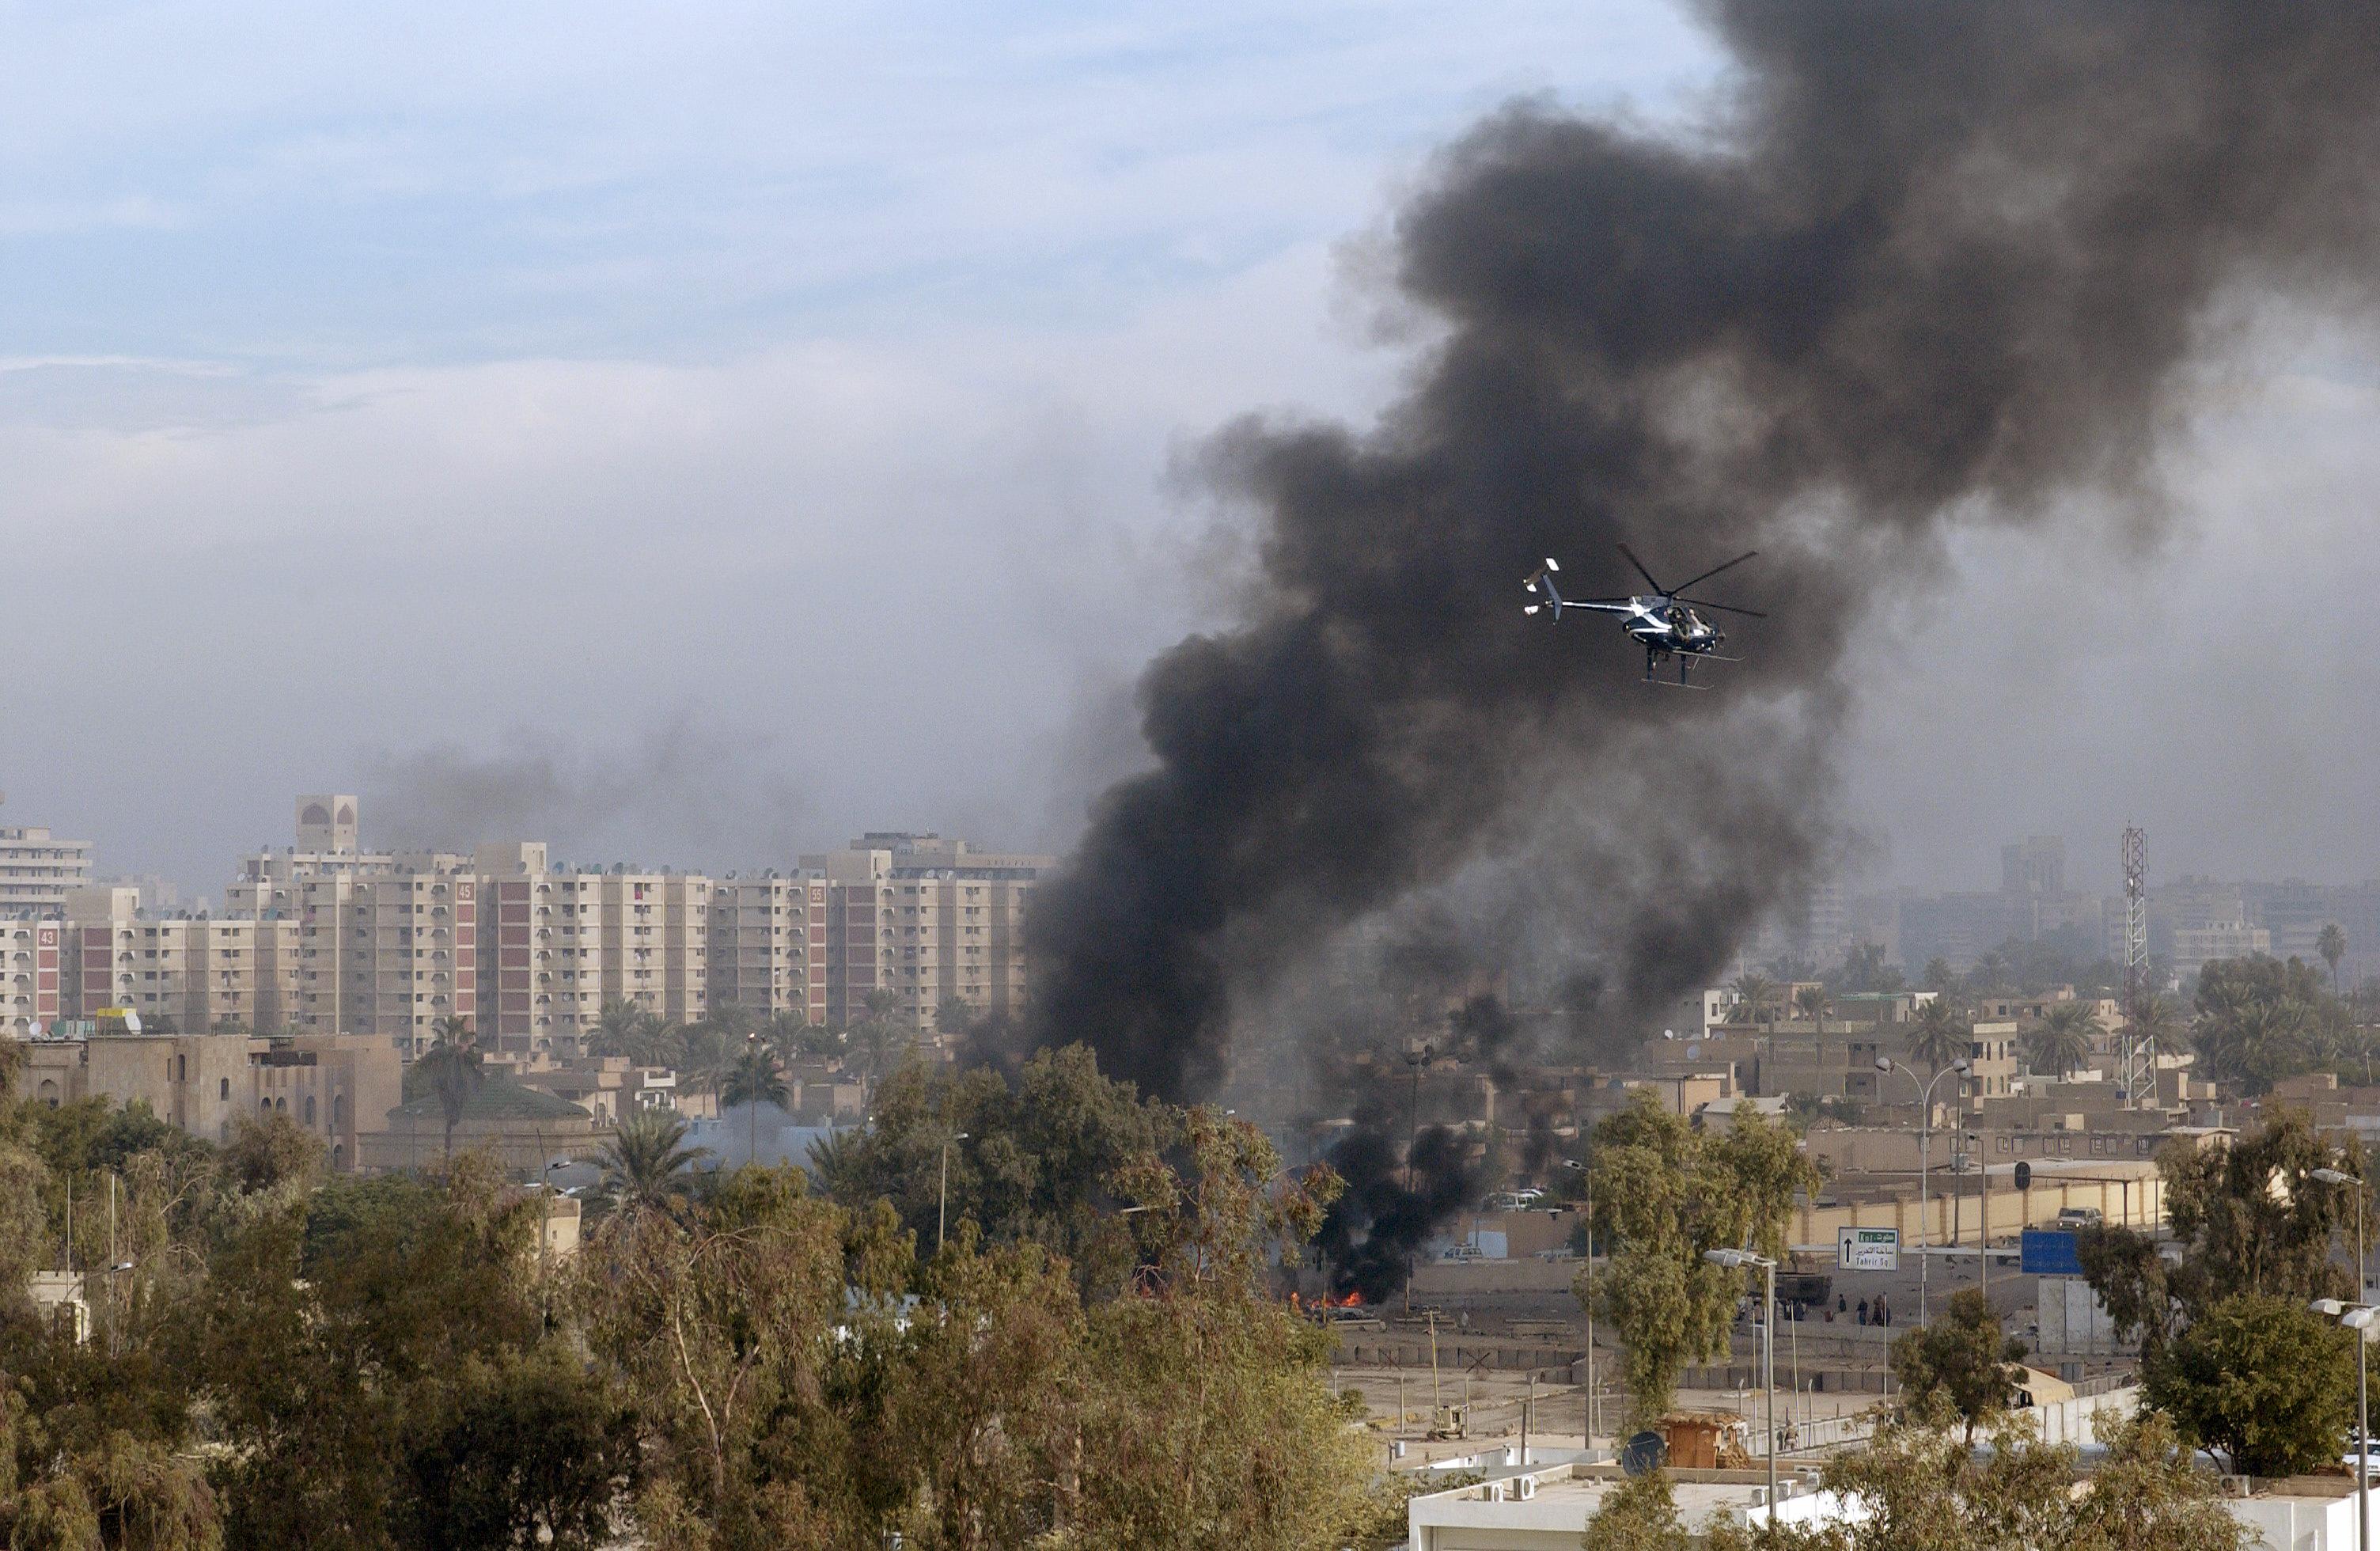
697, 434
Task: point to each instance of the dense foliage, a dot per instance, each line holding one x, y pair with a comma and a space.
1667, 1193
731, 1361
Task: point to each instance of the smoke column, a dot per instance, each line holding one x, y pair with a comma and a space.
1934, 264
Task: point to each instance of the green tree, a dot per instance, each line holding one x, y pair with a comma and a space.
877, 1045
454, 1068
624, 1028
1964, 1356
2249, 1218
271, 1153
330, 1331
755, 1079
2262, 1379
1939, 1036
2331, 943
645, 1164
1041, 1164
2061, 1043
1924, 1490
1639, 1515
523, 1450
1938, 977
720, 1332
1669, 1194
2160, 1020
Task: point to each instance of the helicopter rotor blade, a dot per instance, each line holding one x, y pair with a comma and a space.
1642, 572
1715, 570
1723, 608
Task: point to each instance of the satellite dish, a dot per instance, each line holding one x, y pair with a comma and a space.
33, 1030
131, 1022
1644, 1452
1668, 1034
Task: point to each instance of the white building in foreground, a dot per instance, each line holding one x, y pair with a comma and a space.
1547, 1507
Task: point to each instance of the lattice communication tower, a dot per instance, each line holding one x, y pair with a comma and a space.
2139, 1074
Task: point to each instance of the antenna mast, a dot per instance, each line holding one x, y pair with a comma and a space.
2139, 1074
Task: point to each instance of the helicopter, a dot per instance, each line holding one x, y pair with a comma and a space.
1663, 622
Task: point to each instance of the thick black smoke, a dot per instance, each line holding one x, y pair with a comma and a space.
1939, 264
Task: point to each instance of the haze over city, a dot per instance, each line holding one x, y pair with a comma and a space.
695, 452
1357, 778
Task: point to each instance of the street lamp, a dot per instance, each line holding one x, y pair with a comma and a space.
1737, 1260
2360, 1319
942, 1212
1587, 1178
1925, 1157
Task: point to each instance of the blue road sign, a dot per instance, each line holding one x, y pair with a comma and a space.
2049, 1252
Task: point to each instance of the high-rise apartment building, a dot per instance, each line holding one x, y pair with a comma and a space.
768, 945
387, 941
656, 942
31, 974
36, 871
193, 973
930, 920
557, 945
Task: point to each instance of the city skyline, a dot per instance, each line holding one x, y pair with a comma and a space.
707, 546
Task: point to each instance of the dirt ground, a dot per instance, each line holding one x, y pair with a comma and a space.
1495, 1402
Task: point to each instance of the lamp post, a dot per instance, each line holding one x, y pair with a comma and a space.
1738, 1259
2358, 1318
1924, 1158
1587, 1178
943, 1211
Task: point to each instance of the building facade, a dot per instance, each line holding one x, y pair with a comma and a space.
37, 868
339, 1088
929, 920
768, 945
31, 974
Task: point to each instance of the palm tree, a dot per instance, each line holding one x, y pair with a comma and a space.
2158, 1021
1760, 1002
702, 1055
622, 1029
782, 1032
643, 1163
755, 1079
1991, 971
877, 1043
454, 1068
2061, 1041
1811, 1002
1938, 975
835, 1159
2251, 1041
1939, 1036
2331, 943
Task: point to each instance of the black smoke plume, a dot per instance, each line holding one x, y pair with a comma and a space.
1934, 264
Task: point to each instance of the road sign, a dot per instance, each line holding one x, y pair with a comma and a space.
1868, 1249
2048, 1253
2023, 1176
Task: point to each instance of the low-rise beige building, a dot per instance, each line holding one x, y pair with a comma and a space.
523, 1128
338, 1087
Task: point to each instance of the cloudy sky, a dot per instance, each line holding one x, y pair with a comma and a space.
696, 433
